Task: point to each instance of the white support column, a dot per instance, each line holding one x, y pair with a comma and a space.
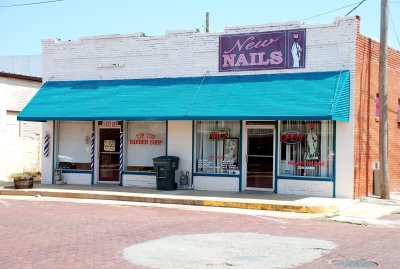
47, 162
180, 144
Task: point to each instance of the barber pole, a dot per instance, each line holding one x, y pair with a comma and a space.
46, 146
121, 139
92, 155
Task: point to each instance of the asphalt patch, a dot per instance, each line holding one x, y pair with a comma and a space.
227, 250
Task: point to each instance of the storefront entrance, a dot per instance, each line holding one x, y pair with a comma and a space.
109, 144
260, 157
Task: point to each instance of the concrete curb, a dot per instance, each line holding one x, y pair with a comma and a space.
367, 221
274, 207
163, 199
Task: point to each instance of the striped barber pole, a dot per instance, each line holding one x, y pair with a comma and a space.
92, 155
46, 146
121, 145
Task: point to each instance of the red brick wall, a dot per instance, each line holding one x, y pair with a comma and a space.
366, 127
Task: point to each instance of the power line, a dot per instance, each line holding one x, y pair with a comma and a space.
33, 3
394, 27
332, 11
355, 7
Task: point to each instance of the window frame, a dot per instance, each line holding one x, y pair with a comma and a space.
331, 178
237, 136
126, 143
377, 107
58, 142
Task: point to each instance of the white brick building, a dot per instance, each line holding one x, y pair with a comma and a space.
268, 142
21, 140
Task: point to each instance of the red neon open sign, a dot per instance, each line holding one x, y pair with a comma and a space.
292, 137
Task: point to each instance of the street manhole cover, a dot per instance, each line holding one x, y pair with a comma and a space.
354, 263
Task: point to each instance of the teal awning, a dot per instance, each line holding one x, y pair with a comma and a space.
300, 96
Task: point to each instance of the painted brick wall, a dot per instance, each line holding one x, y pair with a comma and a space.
22, 149
78, 179
16, 93
191, 54
140, 181
185, 53
366, 126
303, 187
216, 183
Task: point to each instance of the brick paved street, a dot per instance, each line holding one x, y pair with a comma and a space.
48, 234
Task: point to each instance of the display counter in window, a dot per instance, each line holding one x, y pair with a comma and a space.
65, 162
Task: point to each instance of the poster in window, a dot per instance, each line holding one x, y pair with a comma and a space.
109, 145
230, 153
312, 143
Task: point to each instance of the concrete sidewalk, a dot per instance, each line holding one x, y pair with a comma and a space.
245, 200
372, 211
368, 211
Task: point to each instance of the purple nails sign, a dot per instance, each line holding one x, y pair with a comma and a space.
260, 51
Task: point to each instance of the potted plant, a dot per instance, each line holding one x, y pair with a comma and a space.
36, 175
23, 180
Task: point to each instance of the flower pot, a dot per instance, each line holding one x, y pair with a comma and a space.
23, 183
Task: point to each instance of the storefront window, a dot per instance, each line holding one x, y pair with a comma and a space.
306, 148
146, 140
217, 146
74, 144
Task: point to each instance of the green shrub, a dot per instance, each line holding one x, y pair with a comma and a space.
33, 174
16, 176
26, 174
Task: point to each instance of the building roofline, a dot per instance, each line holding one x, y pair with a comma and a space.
18, 76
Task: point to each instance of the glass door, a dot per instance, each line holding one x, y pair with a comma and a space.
260, 157
109, 154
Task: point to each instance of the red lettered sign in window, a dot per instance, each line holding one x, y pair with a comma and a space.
218, 134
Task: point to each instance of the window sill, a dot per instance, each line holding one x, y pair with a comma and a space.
197, 174
305, 178
75, 171
143, 173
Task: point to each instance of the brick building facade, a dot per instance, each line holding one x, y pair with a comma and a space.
366, 134
306, 126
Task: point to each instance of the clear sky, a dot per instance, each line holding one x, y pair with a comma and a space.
23, 27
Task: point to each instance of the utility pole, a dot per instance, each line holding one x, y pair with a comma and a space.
383, 105
207, 22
